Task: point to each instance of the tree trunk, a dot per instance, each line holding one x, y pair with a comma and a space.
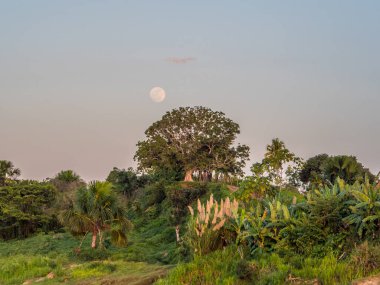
100, 240
177, 233
189, 175
93, 243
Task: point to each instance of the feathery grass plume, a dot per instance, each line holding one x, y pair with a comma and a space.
215, 214
221, 213
207, 222
228, 207
219, 225
191, 211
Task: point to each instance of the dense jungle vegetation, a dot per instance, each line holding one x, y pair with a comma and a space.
188, 215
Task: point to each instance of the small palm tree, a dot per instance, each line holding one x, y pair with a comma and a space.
96, 210
67, 176
7, 170
276, 157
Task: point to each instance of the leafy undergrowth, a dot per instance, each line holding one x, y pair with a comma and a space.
225, 267
154, 212
152, 239
219, 267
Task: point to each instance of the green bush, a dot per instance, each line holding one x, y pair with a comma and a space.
245, 270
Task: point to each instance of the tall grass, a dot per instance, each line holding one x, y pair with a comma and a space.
219, 267
16, 269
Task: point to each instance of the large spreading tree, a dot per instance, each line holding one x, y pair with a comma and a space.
193, 139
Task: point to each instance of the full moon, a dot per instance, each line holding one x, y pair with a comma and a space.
157, 94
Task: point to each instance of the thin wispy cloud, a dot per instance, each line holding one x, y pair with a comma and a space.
180, 60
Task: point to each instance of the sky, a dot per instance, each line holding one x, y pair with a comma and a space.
75, 77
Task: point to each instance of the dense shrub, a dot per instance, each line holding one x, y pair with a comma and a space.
181, 195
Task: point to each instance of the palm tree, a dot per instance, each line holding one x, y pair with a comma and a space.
344, 167
67, 176
7, 170
276, 157
96, 210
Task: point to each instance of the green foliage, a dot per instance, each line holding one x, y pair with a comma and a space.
323, 170
366, 257
365, 209
153, 238
7, 171
329, 235
126, 181
262, 226
50, 244
327, 270
245, 271
278, 169
87, 254
254, 186
156, 210
96, 210
94, 269
24, 209
276, 158
67, 182
182, 195
219, 267
67, 176
346, 168
33, 258
192, 139
16, 269
319, 227
312, 170
330, 219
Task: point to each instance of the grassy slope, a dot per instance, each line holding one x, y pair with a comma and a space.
37, 256
151, 248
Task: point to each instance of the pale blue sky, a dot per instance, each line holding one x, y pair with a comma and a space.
75, 76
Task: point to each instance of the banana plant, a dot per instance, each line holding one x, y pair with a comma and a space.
365, 211
261, 226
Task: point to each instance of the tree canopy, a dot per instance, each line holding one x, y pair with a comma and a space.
347, 168
321, 169
24, 209
124, 181
190, 139
7, 171
276, 158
